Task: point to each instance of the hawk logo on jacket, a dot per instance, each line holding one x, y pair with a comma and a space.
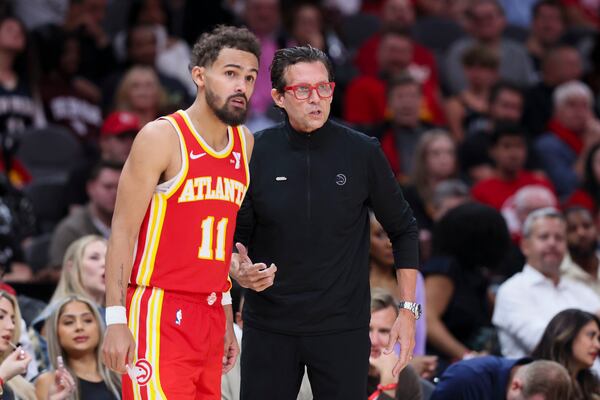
206, 188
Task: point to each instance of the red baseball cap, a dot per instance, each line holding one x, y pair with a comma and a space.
120, 122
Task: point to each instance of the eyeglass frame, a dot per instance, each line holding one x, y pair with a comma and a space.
311, 87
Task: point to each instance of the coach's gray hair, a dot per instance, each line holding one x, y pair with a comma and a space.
572, 89
547, 212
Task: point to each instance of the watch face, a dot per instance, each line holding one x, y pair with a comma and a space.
418, 311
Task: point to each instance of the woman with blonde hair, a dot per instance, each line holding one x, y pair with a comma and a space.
75, 332
14, 360
83, 270
83, 275
141, 93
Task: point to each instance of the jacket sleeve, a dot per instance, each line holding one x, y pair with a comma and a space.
391, 209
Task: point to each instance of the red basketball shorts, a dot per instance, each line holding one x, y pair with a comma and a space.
179, 339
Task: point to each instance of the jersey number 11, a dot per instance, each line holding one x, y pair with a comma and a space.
205, 251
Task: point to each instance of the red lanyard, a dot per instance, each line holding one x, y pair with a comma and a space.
381, 389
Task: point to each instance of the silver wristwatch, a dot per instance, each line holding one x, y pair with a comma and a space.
415, 308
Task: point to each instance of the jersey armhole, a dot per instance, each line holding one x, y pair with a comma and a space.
168, 187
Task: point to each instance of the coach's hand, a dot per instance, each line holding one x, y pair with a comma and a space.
232, 350
403, 332
118, 348
251, 276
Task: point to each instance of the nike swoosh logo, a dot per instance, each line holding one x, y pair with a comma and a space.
196, 156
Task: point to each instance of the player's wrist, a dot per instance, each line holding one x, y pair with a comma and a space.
116, 315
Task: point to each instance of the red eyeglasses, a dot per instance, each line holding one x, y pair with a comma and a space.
302, 91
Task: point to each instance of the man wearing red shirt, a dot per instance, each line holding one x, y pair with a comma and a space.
508, 151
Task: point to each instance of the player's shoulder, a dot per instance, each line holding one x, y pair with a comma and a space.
158, 132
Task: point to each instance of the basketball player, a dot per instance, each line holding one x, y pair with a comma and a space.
172, 232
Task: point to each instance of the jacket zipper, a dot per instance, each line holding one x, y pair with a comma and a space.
308, 194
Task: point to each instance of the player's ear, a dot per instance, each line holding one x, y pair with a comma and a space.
198, 75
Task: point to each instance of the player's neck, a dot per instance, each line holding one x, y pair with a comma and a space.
208, 125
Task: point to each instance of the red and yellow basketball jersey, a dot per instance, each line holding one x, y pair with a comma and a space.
186, 237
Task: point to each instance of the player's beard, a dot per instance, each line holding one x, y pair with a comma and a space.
235, 116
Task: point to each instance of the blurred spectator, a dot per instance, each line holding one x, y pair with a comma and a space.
141, 93
383, 385
12, 363
17, 225
522, 308
400, 14
547, 29
70, 100
572, 338
382, 274
526, 200
486, 23
82, 271
583, 260
36, 13
75, 332
263, 18
572, 131
447, 195
141, 45
81, 274
117, 134
559, 65
505, 104
400, 136
116, 138
588, 194
307, 27
18, 108
172, 53
435, 161
468, 240
583, 13
365, 98
467, 111
500, 378
508, 150
518, 12
84, 19
95, 217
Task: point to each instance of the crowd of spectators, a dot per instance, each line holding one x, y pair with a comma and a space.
487, 111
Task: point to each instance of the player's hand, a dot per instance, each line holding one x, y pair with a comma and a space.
118, 348
251, 276
232, 350
403, 332
15, 364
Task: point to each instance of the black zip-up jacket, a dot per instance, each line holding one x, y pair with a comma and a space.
306, 210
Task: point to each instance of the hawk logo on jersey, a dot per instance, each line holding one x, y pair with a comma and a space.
237, 156
178, 317
211, 299
141, 372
